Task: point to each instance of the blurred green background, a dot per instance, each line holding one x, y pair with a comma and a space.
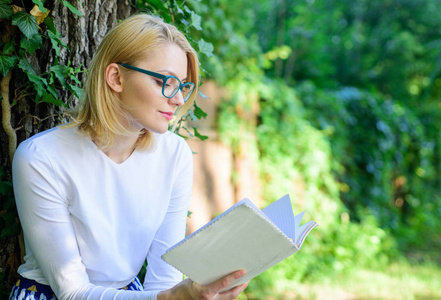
348, 97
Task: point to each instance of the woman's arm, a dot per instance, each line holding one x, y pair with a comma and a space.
44, 213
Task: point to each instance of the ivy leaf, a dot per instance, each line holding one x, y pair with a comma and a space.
9, 48
56, 41
50, 24
199, 113
192, 116
39, 14
198, 135
196, 20
6, 64
39, 83
26, 22
26, 66
40, 6
206, 48
31, 44
76, 90
60, 73
52, 90
5, 11
51, 99
72, 8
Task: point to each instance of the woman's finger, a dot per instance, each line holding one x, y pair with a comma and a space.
224, 282
234, 292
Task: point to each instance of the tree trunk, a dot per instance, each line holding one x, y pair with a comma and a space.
82, 35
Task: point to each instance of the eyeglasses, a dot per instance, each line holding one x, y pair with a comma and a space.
170, 84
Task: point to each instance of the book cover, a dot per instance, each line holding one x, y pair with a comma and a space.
243, 237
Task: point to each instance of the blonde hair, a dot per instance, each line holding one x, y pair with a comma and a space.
130, 41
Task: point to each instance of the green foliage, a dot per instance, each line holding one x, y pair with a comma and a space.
387, 157
44, 85
356, 142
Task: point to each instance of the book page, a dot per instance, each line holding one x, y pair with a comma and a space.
281, 214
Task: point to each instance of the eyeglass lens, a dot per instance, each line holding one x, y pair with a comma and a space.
171, 87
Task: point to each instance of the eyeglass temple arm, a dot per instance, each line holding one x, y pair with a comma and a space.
157, 75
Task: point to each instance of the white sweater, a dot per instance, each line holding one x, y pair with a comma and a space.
89, 223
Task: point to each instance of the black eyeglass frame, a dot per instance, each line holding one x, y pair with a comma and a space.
164, 80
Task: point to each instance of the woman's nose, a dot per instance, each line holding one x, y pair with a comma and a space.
177, 99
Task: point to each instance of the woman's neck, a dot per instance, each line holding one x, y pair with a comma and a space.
121, 149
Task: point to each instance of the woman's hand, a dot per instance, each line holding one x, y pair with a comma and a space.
189, 290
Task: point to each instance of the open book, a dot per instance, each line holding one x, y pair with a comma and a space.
242, 238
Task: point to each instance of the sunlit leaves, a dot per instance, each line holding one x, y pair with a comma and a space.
26, 22
199, 113
198, 135
195, 21
205, 48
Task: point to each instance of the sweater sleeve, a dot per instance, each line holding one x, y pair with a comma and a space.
160, 275
44, 214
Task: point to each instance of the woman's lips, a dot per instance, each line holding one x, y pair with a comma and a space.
167, 115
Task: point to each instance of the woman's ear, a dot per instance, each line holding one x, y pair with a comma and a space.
114, 77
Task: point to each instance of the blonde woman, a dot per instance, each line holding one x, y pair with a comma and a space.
99, 196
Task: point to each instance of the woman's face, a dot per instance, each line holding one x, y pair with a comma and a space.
142, 95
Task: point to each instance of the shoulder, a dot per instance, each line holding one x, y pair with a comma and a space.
172, 144
49, 143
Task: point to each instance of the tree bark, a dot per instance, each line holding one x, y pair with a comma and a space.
82, 35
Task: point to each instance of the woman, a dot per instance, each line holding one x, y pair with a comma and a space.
100, 195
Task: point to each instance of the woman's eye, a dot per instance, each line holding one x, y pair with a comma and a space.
159, 82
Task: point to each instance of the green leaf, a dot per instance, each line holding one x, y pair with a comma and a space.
31, 44
76, 90
50, 24
52, 90
26, 22
39, 83
55, 40
50, 99
72, 8
196, 21
192, 116
206, 48
5, 11
198, 135
60, 73
199, 113
40, 5
9, 48
26, 66
74, 78
6, 64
